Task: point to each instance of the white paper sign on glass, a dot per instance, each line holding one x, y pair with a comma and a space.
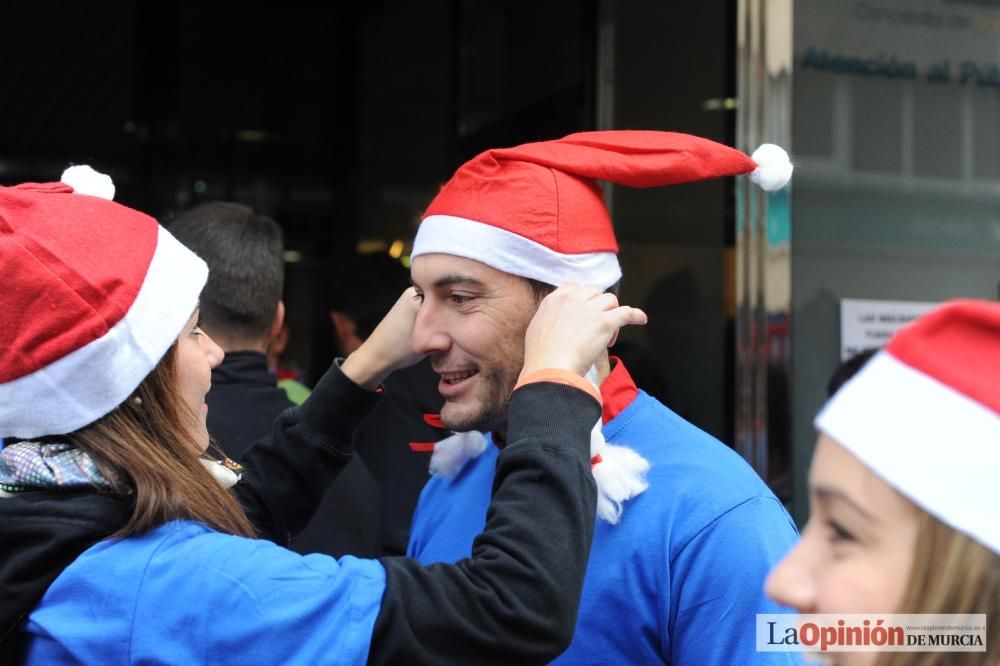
866, 323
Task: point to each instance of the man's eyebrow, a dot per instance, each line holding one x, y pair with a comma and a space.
457, 278
831, 494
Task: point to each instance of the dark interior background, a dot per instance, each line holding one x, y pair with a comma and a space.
342, 120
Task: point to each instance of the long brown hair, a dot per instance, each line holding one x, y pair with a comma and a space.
145, 450
951, 573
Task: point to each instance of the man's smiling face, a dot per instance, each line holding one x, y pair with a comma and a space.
472, 323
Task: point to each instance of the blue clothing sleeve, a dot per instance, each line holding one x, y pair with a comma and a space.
186, 595
713, 623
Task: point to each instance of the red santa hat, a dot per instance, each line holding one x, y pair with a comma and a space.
536, 210
924, 414
94, 294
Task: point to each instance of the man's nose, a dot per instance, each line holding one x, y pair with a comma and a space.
429, 333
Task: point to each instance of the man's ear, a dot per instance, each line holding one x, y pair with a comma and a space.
346, 330
279, 319
341, 327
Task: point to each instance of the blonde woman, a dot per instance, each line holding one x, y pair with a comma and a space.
905, 486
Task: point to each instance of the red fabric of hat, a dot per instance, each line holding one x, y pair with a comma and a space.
634, 158
544, 211
958, 345
69, 281
94, 294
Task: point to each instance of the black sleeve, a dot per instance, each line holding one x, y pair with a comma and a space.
286, 474
515, 600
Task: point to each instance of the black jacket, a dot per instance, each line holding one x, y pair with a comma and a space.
40, 535
515, 602
244, 401
242, 406
396, 442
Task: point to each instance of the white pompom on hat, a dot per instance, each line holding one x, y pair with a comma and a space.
94, 294
924, 415
85, 180
774, 169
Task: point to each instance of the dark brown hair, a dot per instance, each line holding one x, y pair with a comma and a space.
541, 289
145, 450
245, 256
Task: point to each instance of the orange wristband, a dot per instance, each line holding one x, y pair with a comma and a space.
560, 376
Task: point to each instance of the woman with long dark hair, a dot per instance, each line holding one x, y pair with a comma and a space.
122, 541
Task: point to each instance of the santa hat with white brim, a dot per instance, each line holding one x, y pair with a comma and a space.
94, 294
924, 415
536, 211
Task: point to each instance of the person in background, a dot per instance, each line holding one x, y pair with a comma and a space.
848, 369
903, 484
289, 379
124, 542
242, 309
397, 439
686, 530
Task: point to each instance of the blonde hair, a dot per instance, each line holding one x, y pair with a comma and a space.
951, 573
145, 450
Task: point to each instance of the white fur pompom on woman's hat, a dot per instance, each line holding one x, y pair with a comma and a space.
85, 180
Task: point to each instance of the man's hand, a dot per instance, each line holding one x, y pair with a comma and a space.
572, 326
388, 348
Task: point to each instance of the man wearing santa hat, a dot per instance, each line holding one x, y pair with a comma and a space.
686, 531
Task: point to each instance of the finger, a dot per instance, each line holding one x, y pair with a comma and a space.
573, 290
614, 338
589, 291
563, 289
626, 316
605, 301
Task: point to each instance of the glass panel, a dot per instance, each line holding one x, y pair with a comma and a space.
876, 143
673, 239
897, 189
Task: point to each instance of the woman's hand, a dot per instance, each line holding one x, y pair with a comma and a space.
388, 348
572, 326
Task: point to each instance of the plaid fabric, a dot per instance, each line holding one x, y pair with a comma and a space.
35, 466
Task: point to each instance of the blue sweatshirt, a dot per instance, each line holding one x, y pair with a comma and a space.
184, 594
680, 578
